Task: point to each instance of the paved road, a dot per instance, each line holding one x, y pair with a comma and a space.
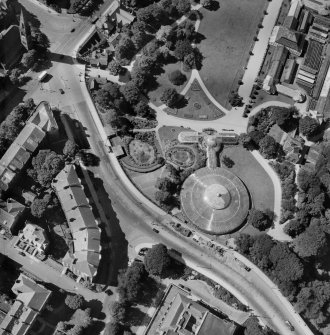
132, 215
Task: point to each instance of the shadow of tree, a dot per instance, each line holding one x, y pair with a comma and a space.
137, 318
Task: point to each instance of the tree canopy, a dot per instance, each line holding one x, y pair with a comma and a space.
259, 219
157, 260
170, 97
74, 302
308, 126
268, 147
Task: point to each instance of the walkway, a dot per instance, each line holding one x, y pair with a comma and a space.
259, 50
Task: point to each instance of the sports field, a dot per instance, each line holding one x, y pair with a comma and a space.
228, 33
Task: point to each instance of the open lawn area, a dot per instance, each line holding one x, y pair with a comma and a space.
168, 134
145, 182
228, 33
252, 174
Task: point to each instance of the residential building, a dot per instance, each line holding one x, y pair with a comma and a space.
114, 16
320, 6
183, 314
30, 301
35, 236
10, 213
85, 257
26, 143
25, 31
291, 21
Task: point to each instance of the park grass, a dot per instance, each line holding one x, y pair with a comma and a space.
228, 33
168, 134
163, 82
253, 175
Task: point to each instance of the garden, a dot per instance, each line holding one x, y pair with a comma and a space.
141, 152
196, 105
182, 156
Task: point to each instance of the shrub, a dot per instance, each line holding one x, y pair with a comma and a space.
176, 77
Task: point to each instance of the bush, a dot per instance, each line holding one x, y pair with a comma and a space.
170, 97
75, 301
176, 77
115, 68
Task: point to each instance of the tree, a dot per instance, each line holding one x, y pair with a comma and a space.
163, 33
182, 6
182, 49
46, 165
29, 58
176, 77
70, 149
294, 227
109, 96
170, 97
244, 243
313, 242
235, 99
283, 115
157, 260
118, 311
75, 301
40, 41
268, 147
227, 161
165, 185
82, 318
125, 50
113, 328
14, 76
39, 207
312, 299
308, 126
150, 15
110, 116
206, 3
122, 124
131, 93
114, 68
142, 109
139, 38
258, 219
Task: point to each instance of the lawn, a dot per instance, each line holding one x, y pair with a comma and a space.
163, 82
228, 33
252, 174
141, 152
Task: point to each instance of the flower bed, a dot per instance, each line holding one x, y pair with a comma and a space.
181, 156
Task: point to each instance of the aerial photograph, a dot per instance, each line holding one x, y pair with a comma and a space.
164, 167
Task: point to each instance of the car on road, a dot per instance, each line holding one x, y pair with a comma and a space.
72, 30
185, 288
61, 91
155, 230
289, 324
21, 253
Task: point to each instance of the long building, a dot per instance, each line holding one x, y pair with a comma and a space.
85, 257
28, 140
319, 6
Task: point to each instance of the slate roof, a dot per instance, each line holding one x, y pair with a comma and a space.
11, 48
9, 211
83, 226
289, 38
44, 117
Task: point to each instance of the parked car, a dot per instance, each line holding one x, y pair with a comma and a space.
72, 30
185, 288
61, 91
155, 230
289, 324
21, 253
143, 251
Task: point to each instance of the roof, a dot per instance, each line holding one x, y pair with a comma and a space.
84, 227
313, 154
124, 17
44, 117
30, 293
289, 38
9, 211
216, 326
11, 48
35, 234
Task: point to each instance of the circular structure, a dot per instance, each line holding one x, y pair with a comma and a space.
215, 200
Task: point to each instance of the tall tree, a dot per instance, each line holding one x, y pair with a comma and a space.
157, 260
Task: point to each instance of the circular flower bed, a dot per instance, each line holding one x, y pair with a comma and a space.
142, 153
182, 156
197, 105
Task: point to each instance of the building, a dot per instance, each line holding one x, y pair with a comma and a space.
11, 48
113, 17
35, 236
319, 6
85, 258
13, 43
276, 68
25, 31
290, 39
26, 143
291, 21
29, 303
10, 213
183, 314
189, 137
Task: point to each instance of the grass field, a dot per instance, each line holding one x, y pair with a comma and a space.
228, 33
252, 174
